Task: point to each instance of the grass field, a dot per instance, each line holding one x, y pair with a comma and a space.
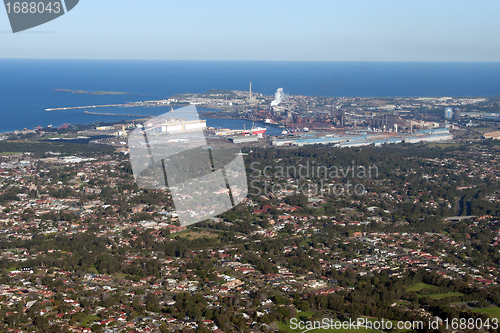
190, 234
419, 286
10, 153
120, 275
93, 270
89, 320
444, 295
304, 314
493, 312
443, 145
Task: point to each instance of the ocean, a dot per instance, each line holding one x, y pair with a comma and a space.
27, 85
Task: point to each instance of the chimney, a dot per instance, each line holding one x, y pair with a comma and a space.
250, 96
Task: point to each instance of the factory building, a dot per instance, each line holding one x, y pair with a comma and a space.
176, 126
244, 139
359, 139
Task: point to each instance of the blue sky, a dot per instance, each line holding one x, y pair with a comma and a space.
349, 30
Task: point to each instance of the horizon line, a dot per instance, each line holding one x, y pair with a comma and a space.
261, 60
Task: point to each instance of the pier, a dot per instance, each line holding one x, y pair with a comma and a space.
115, 114
126, 105
87, 107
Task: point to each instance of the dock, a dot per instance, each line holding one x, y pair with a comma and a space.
116, 114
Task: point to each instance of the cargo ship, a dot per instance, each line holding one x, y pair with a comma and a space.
255, 131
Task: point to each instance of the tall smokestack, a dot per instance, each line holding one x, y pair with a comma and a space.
250, 95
